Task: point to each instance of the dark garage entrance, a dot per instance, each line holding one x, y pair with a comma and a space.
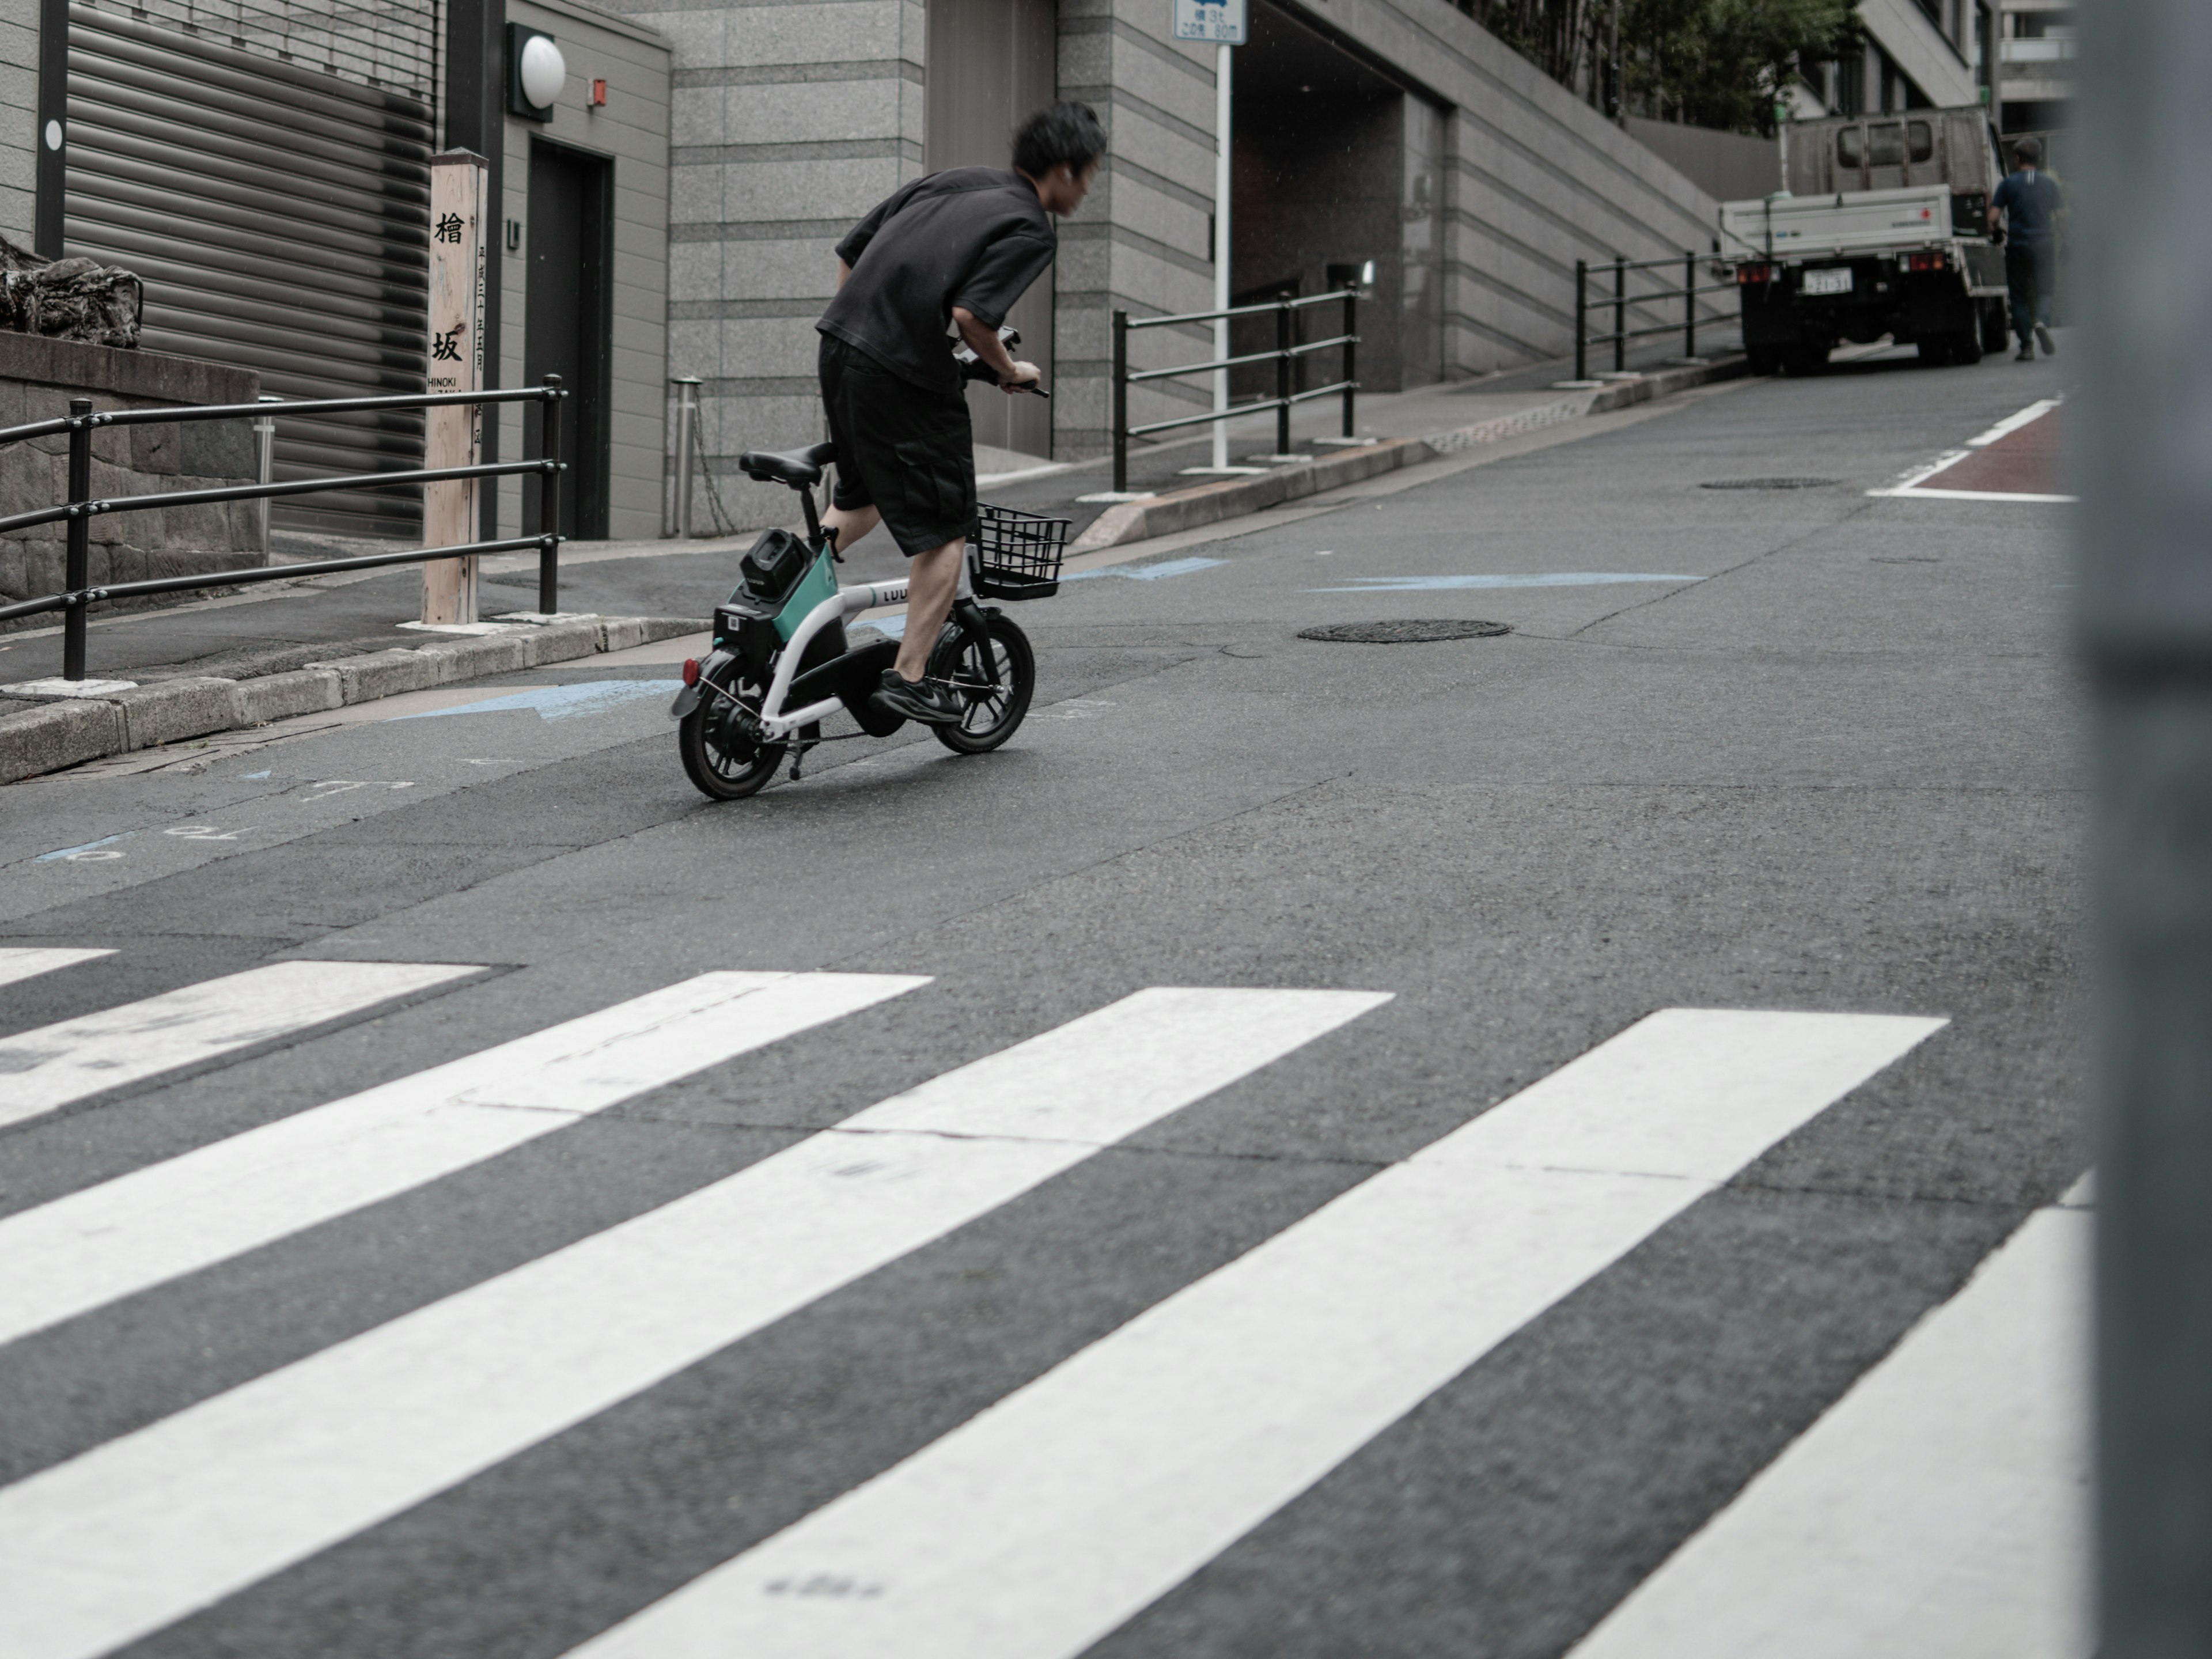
1335, 165
568, 324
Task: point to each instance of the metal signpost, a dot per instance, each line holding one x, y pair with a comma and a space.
454, 433
1223, 23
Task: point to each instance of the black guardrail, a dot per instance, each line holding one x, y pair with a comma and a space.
82, 507
1284, 356
1648, 299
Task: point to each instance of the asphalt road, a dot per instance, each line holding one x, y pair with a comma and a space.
1154, 1337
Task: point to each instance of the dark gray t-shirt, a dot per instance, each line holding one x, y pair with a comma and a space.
976, 237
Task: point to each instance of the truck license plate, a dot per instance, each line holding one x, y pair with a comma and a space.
1835, 281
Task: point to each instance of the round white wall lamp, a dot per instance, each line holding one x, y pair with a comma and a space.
53, 135
545, 71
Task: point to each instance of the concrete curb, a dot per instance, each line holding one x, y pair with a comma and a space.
49, 735
1205, 504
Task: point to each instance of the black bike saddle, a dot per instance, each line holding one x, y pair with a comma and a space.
799, 468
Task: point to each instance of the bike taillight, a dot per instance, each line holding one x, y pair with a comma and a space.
690, 671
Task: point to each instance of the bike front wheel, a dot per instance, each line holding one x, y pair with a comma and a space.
992, 675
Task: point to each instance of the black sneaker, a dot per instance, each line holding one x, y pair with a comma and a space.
2043, 338
932, 705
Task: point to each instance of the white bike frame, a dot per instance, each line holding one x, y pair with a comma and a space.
776, 723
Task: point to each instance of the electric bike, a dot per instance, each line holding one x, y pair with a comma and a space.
781, 662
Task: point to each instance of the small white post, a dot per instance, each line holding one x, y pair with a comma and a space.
1222, 55
454, 435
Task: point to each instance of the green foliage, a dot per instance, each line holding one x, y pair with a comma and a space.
1553, 34
1719, 63
1710, 63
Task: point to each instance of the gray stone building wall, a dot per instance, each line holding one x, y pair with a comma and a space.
19, 118
790, 122
38, 378
1141, 243
633, 128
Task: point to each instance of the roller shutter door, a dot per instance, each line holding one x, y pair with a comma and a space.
267, 173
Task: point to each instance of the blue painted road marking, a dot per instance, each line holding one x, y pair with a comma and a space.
251, 777
1146, 573
1555, 579
895, 627
65, 852
561, 702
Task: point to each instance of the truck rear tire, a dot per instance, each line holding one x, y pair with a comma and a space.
1800, 361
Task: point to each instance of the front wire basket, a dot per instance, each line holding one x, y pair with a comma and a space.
1017, 553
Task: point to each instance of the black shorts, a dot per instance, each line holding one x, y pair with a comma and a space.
907, 452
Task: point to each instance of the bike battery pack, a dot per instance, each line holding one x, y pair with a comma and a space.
773, 566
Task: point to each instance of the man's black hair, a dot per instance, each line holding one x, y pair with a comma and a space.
1059, 135
2028, 152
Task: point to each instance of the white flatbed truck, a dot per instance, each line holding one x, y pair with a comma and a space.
1884, 231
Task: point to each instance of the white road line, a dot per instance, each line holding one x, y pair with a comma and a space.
148, 1528
1919, 495
173, 1218
2012, 423
1043, 1523
1938, 1510
51, 1067
23, 962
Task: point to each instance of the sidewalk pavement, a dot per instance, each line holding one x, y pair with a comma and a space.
279, 649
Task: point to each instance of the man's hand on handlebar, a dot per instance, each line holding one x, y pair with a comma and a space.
1026, 377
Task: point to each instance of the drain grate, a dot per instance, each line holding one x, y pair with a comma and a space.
1770, 483
1413, 631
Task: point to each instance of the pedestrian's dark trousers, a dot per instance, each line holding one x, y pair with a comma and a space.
2032, 274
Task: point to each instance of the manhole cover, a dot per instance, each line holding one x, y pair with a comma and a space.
1770, 483
1412, 632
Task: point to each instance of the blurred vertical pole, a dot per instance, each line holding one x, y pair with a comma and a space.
2142, 426
1224, 138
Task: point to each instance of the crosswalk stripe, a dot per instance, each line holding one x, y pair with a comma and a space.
54, 1065
1037, 1527
148, 1528
28, 961
219, 1200
1938, 1510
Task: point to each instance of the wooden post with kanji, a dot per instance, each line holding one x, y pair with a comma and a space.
456, 360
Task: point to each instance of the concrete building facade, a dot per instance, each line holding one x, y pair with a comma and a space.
1471, 180
1395, 141
2035, 63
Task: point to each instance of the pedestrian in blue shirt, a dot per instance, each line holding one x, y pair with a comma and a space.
2032, 207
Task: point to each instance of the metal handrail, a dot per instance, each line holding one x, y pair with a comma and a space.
260, 573
1283, 355
83, 506
1329, 344
239, 412
1234, 409
1261, 308
1622, 302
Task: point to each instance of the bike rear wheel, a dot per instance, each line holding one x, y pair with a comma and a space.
718, 756
994, 676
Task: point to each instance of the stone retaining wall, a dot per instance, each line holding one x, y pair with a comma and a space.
37, 377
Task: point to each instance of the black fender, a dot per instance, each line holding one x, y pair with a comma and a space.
711, 667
